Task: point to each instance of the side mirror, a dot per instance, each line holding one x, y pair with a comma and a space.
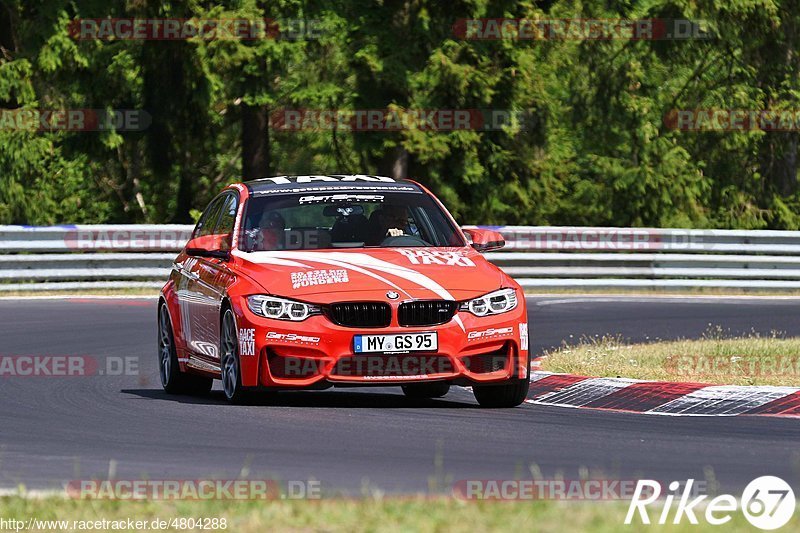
215, 246
484, 240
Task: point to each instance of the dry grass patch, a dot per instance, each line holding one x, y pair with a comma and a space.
751, 360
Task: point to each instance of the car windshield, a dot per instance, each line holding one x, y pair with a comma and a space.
348, 220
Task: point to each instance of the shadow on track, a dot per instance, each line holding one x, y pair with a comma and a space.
339, 398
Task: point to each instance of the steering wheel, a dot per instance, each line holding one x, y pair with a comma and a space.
404, 240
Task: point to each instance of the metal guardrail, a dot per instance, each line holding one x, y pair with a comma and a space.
130, 256
94, 237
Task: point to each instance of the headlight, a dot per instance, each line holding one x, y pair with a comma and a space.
493, 303
280, 308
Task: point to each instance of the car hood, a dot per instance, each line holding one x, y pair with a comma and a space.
336, 275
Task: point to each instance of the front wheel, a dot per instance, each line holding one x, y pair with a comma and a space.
509, 394
231, 370
436, 389
172, 379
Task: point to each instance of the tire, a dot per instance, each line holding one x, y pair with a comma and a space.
229, 361
435, 389
510, 394
173, 380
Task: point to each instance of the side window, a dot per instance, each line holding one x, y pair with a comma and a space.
209, 219
227, 217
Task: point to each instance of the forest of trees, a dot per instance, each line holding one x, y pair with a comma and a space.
594, 140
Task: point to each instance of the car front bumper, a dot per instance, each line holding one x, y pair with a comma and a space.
317, 353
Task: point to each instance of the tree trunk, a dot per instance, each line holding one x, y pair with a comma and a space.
394, 163
8, 41
780, 162
185, 197
255, 142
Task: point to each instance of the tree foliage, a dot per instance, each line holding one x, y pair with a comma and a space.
591, 142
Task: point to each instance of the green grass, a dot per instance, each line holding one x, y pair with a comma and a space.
368, 514
752, 360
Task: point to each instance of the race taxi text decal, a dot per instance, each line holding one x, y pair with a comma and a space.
247, 341
425, 257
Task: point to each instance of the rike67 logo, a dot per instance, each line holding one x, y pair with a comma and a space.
767, 502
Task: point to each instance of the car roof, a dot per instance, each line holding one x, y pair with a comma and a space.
328, 183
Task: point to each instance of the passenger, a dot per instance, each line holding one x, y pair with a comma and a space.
352, 228
271, 231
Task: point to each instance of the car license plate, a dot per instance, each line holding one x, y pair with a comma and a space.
403, 342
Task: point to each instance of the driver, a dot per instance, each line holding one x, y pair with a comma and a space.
392, 221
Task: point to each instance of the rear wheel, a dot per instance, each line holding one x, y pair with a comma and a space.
435, 389
172, 379
231, 370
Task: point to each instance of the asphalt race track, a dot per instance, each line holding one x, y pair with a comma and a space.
53, 430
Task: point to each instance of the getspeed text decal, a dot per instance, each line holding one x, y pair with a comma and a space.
491, 332
292, 337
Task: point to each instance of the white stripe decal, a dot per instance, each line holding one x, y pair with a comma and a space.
351, 266
367, 261
271, 261
284, 262
356, 262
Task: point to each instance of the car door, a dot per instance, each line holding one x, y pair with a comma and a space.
189, 293
212, 277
